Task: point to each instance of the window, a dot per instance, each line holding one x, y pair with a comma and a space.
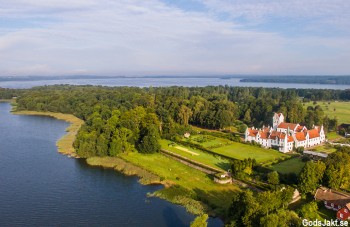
345, 210
341, 215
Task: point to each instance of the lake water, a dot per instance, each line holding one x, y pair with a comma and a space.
165, 81
40, 187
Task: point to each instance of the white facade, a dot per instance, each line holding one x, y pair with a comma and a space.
285, 136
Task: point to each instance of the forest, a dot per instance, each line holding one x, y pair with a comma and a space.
120, 119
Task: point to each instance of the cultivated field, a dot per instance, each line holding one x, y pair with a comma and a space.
293, 165
341, 110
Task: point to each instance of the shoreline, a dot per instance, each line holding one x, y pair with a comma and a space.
65, 143
65, 147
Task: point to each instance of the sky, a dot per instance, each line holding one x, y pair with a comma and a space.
169, 37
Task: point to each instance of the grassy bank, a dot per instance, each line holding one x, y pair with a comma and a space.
189, 187
64, 144
126, 168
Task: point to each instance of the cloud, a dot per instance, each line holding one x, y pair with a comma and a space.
108, 37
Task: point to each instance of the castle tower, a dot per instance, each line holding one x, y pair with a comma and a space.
277, 119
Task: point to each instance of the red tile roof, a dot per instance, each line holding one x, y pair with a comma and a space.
290, 139
300, 128
313, 133
286, 125
264, 135
252, 132
300, 136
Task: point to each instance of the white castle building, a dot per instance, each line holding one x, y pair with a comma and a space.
285, 136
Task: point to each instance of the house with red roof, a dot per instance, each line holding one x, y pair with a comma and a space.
334, 200
285, 135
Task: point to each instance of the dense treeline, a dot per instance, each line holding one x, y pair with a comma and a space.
120, 119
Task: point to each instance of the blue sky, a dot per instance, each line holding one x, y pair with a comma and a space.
165, 37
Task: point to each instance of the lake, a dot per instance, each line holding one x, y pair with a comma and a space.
40, 187
166, 81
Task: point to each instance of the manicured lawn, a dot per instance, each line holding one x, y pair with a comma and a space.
208, 141
191, 179
333, 136
243, 151
341, 110
293, 165
324, 148
196, 155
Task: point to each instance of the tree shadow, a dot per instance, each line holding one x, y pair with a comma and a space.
171, 218
224, 165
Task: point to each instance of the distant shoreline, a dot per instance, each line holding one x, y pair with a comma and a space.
331, 80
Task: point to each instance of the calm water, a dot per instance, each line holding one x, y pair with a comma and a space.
39, 186
156, 82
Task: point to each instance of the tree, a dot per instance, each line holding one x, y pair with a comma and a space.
311, 175
282, 218
309, 211
200, 221
247, 119
184, 115
273, 178
337, 174
149, 141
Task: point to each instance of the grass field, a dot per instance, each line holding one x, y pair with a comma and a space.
293, 165
324, 148
333, 136
243, 151
202, 157
341, 110
208, 141
198, 184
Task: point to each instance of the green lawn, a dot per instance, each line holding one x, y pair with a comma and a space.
341, 110
196, 155
208, 141
333, 136
324, 148
293, 165
243, 151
